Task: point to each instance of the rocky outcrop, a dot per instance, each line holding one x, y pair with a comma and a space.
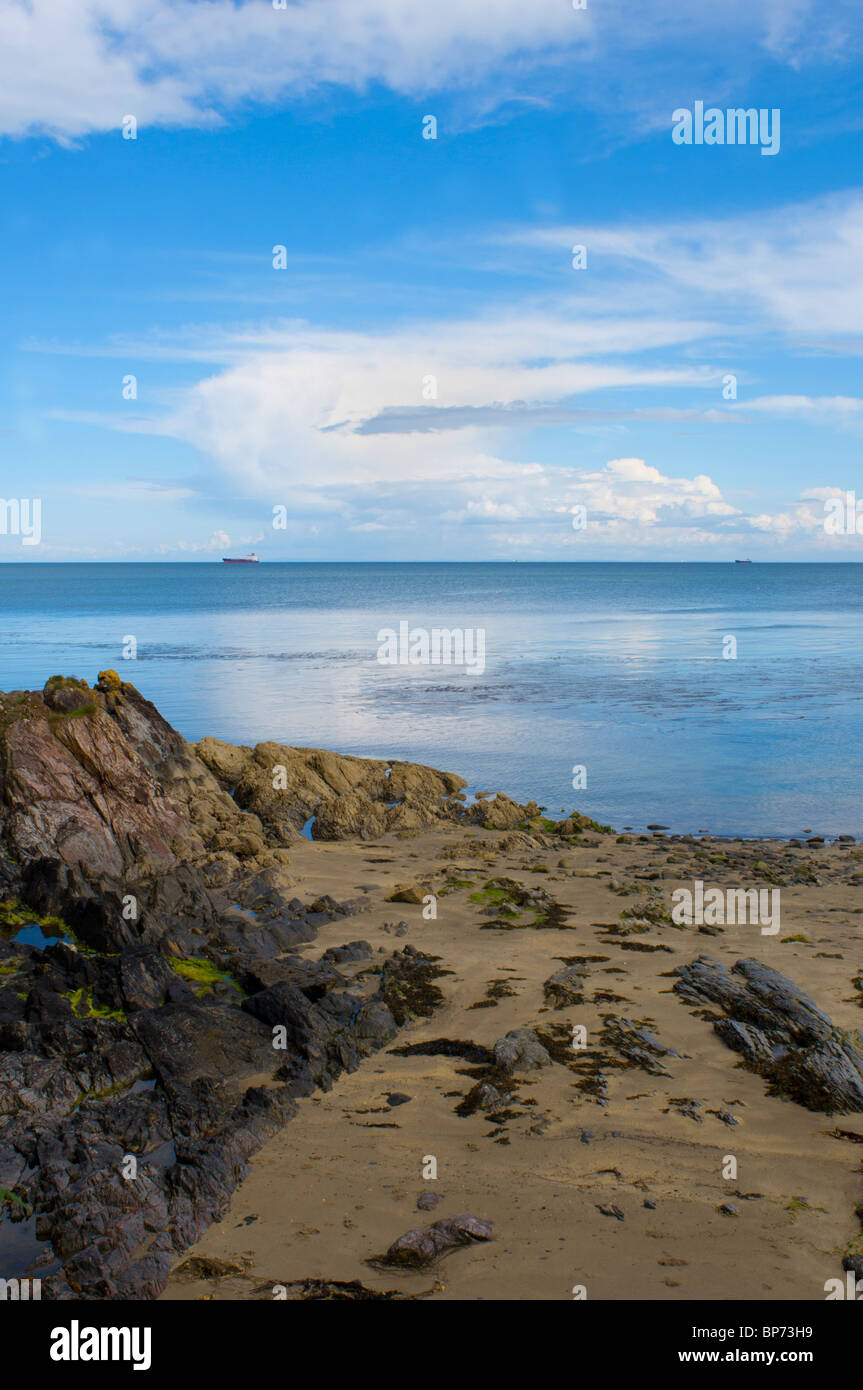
780, 1032
160, 1029
342, 796
155, 1026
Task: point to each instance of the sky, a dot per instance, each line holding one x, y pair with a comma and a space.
325, 305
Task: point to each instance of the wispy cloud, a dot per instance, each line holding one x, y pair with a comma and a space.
75, 68
796, 268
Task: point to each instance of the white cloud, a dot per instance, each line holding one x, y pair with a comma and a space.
288, 426
294, 417
840, 412
797, 267
70, 67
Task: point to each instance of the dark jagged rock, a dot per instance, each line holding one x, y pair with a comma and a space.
345, 955
138, 1072
780, 1032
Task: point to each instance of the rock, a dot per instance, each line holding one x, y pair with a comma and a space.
117, 836
347, 796
483, 1096
636, 1044
427, 1201
780, 1032
344, 955
520, 1050
498, 814
208, 1267
611, 1210
565, 987
406, 893
398, 1098
148, 982
420, 1248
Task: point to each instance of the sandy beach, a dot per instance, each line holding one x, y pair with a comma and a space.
597, 1172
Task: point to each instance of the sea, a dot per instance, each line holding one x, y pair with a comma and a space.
717, 698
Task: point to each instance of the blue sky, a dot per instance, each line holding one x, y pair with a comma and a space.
310, 388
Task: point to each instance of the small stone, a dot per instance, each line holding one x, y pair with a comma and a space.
406, 893
611, 1210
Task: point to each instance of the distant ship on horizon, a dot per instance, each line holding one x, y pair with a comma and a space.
743, 562
250, 559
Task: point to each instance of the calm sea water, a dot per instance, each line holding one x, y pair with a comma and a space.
615, 667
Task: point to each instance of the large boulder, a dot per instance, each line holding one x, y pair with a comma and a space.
780, 1032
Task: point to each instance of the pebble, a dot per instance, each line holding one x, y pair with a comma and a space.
611, 1210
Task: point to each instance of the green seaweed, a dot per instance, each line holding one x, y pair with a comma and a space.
83, 1006
14, 914
15, 1204
203, 973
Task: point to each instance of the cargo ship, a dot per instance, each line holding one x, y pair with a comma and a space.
251, 559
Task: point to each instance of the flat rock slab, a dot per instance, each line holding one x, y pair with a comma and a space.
780, 1032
